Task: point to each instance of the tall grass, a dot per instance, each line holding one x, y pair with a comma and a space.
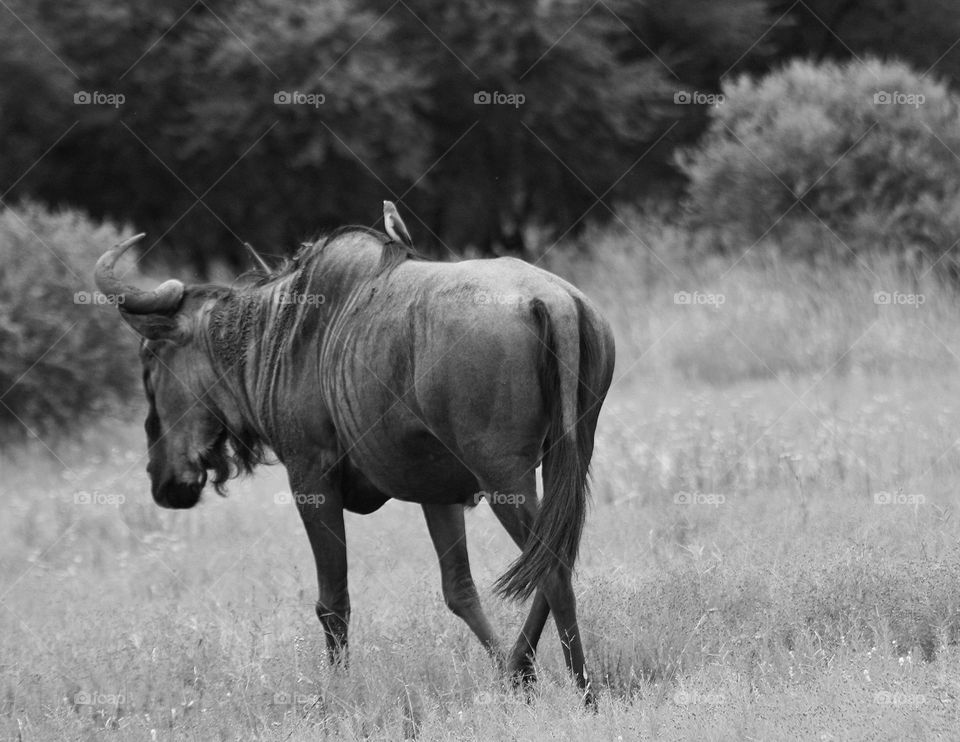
762, 315
771, 551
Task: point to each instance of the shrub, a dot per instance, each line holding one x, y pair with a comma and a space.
63, 355
870, 148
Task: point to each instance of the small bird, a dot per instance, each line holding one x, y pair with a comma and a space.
394, 224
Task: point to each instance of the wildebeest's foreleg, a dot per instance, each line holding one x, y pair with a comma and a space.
448, 532
321, 509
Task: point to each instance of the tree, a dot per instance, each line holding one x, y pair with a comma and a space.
922, 32
34, 93
868, 149
536, 113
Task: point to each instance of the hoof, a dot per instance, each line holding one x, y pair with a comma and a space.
589, 700
522, 672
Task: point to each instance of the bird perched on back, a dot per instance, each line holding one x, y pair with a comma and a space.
394, 225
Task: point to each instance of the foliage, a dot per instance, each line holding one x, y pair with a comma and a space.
199, 153
33, 89
65, 355
922, 32
867, 149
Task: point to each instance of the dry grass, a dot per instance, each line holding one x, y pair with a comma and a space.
797, 605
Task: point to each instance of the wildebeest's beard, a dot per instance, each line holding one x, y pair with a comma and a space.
232, 453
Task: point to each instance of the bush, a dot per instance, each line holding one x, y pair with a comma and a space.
870, 148
63, 355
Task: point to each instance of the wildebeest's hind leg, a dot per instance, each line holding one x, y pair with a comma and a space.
520, 662
321, 510
517, 515
515, 508
448, 532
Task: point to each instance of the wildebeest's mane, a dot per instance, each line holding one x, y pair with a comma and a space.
237, 452
393, 253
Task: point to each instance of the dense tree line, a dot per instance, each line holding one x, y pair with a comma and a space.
220, 121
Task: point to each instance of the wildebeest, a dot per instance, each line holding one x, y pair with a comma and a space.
372, 376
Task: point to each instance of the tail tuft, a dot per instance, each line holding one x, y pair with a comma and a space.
554, 539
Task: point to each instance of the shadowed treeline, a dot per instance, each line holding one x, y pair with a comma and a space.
209, 123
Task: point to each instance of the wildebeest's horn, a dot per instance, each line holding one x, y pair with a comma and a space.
163, 299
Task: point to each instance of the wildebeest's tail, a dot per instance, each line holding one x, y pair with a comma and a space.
566, 365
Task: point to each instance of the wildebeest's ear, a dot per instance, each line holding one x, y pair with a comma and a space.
155, 326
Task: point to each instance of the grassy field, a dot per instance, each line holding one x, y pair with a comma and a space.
772, 550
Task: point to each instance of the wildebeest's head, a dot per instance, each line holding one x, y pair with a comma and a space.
186, 432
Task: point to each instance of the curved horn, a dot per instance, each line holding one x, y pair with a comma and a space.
162, 300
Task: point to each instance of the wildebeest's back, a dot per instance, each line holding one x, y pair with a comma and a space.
434, 375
